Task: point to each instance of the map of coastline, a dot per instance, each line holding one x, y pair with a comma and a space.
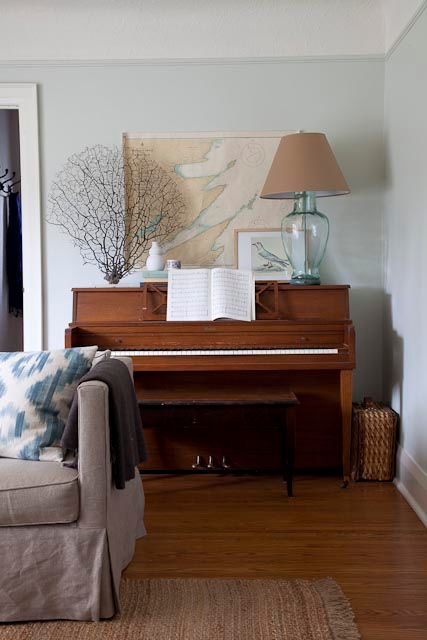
220, 177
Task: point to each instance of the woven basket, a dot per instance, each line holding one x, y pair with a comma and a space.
374, 433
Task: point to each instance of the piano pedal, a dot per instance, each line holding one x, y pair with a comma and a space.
199, 464
213, 463
226, 463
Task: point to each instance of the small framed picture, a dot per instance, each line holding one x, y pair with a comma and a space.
261, 250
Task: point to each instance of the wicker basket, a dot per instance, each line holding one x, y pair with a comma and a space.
373, 441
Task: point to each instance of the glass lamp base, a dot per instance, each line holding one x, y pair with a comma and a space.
305, 234
305, 278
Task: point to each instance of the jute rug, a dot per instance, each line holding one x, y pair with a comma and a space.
196, 609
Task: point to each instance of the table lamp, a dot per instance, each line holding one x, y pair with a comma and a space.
304, 167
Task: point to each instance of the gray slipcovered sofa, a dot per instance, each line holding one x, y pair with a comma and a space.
67, 534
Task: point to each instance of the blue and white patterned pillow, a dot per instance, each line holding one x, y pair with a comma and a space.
36, 390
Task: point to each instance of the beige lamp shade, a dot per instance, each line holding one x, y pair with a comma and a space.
304, 162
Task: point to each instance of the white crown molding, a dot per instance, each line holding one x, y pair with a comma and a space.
186, 61
406, 30
411, 481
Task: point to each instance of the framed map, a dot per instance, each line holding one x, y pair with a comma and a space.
220, 176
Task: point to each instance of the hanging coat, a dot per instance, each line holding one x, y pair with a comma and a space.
14, 255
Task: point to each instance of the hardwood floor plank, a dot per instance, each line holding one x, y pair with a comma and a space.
366, 537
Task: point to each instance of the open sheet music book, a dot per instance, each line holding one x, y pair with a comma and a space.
209, 294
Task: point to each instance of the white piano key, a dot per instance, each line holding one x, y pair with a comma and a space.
226, 352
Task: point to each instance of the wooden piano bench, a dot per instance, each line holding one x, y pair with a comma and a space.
274, 400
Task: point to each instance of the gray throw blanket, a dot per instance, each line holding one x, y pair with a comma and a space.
126, 435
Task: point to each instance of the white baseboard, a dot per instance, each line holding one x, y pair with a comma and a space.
411, 481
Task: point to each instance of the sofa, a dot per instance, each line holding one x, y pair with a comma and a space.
66, 534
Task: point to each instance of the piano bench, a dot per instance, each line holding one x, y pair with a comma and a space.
283, 400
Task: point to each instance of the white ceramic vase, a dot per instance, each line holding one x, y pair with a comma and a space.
155, 260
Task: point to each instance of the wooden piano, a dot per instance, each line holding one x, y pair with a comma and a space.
302, 339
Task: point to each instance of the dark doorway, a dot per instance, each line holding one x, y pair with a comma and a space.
11, 306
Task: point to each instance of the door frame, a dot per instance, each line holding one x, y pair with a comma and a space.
24, 98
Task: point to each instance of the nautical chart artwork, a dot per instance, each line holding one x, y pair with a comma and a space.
220, 176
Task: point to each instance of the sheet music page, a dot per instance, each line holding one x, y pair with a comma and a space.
188, 294
232, 294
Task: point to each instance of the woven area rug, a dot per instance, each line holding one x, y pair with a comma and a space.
198, 609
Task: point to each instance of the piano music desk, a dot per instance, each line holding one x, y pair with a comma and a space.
224, 396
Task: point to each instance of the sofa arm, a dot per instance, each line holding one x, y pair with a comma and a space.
94, 453
127, 361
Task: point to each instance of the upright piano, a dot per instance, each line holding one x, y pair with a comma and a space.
302, 339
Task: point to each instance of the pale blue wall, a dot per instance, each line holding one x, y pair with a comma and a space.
406, 238
82, 105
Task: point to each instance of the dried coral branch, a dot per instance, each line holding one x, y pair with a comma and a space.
113, 204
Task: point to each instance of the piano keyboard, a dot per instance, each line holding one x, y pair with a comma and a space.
226, 352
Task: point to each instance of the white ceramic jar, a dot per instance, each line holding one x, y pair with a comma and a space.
155, 260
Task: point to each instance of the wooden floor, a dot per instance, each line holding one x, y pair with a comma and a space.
366, 537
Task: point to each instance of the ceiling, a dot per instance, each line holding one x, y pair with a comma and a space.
197, 29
